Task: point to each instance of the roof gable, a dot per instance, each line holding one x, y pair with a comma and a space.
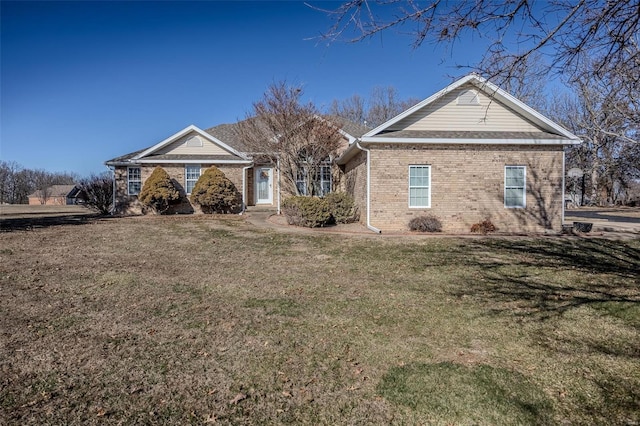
188, 142
456, 108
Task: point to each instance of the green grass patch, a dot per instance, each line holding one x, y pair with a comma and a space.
449, 393
629, 312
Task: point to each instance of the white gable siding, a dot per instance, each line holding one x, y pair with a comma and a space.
179, 147
447, 114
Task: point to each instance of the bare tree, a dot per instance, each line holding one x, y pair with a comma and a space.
383, 104
96, 192
567, 30
283, 130
601, 113
352, 108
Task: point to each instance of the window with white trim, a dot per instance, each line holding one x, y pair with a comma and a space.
515, 183
134, 180
191, 176
420, 186
321, 180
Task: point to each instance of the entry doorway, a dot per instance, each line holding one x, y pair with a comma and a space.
264, 185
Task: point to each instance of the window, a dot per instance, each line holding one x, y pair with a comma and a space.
515, 186
320, 178
191, 175
134, 180
420, 186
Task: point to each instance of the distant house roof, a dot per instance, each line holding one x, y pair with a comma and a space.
55, 191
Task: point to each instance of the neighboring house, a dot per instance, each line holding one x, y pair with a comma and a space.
55, 195
186, 154
468, 153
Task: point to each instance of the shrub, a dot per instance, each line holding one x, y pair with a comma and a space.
342, 207
310, 212
427, 223
483, 227
96, 192
215, 193
158, 191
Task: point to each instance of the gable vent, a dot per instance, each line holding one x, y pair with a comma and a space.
468, 97
193, 141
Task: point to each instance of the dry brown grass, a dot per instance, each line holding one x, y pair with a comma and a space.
174, 320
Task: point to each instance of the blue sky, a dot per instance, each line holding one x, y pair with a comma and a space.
83, 82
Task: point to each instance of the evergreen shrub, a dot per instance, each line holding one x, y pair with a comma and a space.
342, 207
310, 212
158, 191
215, 193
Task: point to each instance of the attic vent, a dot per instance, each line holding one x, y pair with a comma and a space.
194, 141
468, 97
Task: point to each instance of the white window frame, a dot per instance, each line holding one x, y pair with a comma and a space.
134, 179
428, 187
522, 187
303, 174
188, 179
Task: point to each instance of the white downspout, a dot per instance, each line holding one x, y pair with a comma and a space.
244, 187
113, 195
371, 227
563, 183
278, 191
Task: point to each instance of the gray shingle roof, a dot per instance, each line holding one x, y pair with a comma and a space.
227, 133
56, 191
455, 134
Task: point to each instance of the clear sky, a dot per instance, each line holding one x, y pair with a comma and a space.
83, 82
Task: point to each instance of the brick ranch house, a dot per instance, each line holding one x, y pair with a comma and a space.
467, 153
186, 154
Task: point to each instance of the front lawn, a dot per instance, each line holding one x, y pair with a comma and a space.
198, 320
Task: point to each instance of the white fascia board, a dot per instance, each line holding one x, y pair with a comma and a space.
200, 161
420, 105
183, 132
467, 141
350, 138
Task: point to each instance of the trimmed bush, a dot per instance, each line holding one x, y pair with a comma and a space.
483, 227
342, 207
158, 191
428, 223
215, 193
310, 212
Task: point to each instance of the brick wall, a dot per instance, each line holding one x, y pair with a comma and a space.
467, 186
128, 204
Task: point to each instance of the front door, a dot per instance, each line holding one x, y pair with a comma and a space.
264, 185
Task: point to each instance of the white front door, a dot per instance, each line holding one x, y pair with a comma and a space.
264, 185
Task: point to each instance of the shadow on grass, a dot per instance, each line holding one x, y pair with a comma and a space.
544, 277
29, 223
